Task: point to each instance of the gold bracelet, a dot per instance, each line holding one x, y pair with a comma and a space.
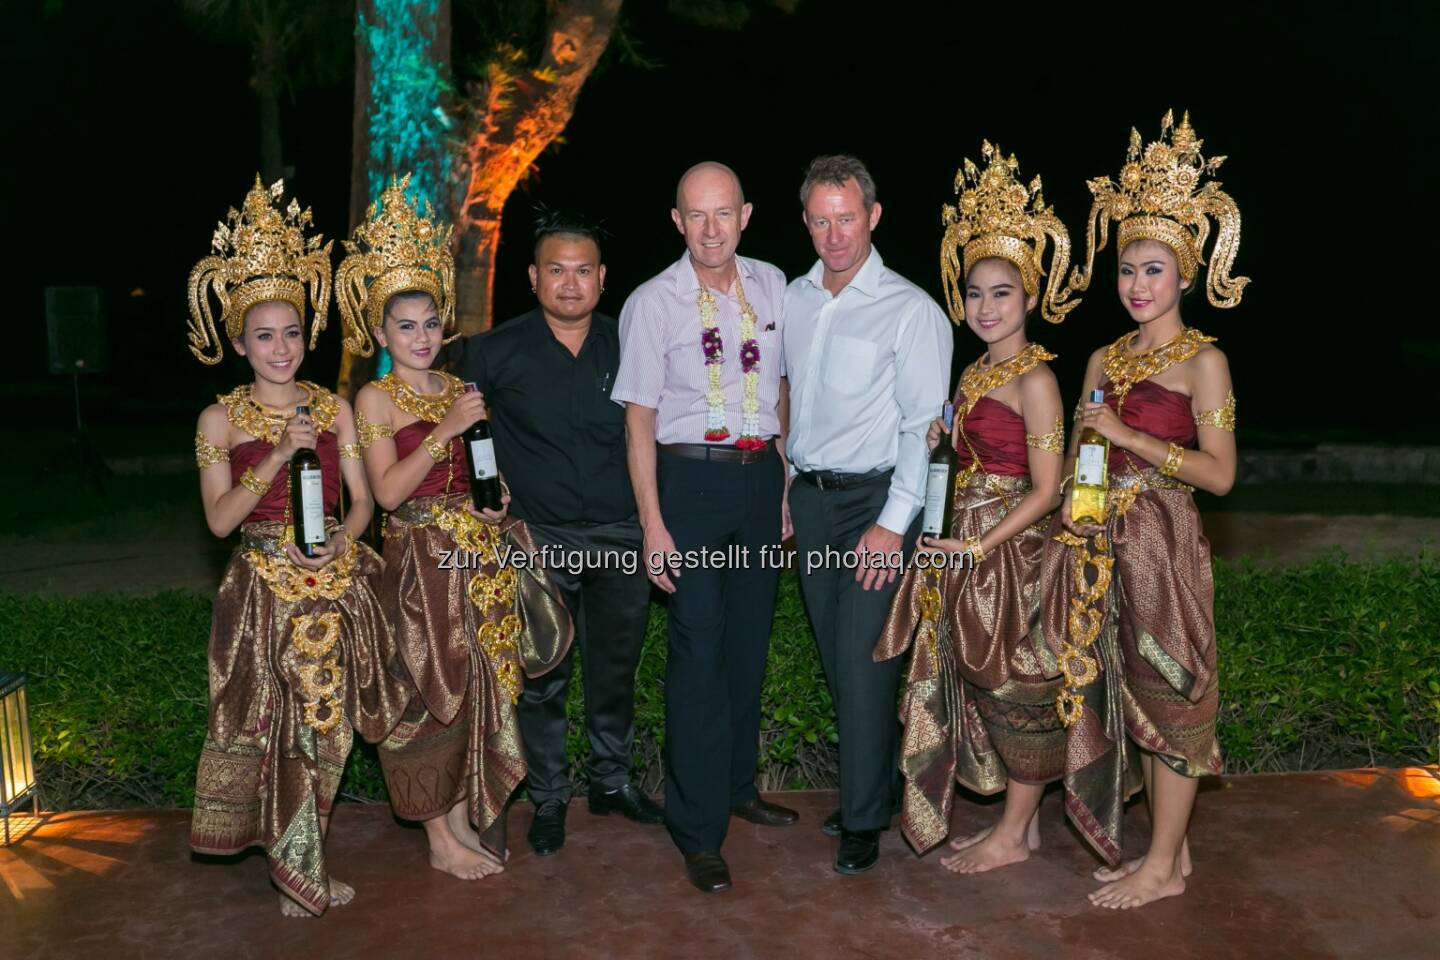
349, 451
1173, 459
438, 451
972, 547
254, 484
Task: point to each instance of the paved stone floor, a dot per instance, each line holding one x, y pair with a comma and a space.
1290, 866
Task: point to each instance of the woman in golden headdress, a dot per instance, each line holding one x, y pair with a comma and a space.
456, 757
297, 644
979, 699
1129, 604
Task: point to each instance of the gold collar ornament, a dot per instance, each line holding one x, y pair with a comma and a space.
396, 250
430, 407
1124, 369
997, 216
1160, 197
264, 423
261, 254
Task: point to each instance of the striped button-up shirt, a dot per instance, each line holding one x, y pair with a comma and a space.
662, 364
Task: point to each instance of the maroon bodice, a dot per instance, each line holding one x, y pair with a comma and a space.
272, 506
410, 436
1156, 410
998, 435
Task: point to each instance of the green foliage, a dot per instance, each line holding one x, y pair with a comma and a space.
1330, 664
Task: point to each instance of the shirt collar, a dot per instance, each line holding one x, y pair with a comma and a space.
866, 280
687, 281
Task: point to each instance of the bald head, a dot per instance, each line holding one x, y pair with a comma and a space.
707, 177
711, 212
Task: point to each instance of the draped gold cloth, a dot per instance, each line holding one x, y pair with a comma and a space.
979, 700
296, 662
455, 611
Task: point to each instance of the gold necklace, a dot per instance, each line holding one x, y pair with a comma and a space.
979, 380
1125, 369
264, 423
430, 407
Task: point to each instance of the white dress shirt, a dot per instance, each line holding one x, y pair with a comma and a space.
869, 369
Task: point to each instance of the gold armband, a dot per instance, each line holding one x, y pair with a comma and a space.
367, 433
208, 454
438, 451
349, 451
1052, 442
1222, 417
254, 484
1173, 460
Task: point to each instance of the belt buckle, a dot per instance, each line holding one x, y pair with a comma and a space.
819, 481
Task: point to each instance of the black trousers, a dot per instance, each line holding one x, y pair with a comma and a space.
719, 636
610, 607
847, 621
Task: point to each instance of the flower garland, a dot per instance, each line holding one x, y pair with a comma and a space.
713, 347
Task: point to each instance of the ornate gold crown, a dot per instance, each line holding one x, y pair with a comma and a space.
997, 216
1160, 198
260, 255
396, 250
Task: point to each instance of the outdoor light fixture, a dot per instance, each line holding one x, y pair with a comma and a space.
17, 766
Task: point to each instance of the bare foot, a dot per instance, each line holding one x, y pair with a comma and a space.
458, 820
988, 851
1144, 885
1111, 874
341, 893
449, 855
290, 908
1032, 836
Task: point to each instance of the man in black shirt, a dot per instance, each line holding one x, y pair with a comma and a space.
560, 444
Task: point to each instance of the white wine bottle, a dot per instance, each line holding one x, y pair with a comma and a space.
1092, 474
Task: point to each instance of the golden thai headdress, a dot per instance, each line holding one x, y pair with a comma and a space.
997, 216
260, 254
1160, 197
396, 250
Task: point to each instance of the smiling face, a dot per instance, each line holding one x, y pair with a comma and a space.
412, 330
567, 276
1150, 284
840, 225
273, 341
995, 300
711, 213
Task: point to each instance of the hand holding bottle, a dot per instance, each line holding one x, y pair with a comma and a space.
299, 435
467, 410
936, 431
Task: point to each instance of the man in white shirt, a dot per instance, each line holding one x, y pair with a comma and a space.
868, 358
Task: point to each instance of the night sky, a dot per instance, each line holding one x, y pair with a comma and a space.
130, 131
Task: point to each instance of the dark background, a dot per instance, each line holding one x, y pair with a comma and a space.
129, 131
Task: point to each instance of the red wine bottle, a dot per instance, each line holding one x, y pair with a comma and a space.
307, 496
939, 509
480, 455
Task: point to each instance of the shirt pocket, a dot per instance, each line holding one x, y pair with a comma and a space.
849, 364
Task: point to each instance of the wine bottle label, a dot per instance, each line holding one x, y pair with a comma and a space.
312, 506
1090, 465
482, 455
937, 484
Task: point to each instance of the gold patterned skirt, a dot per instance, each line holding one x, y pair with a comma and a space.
1130, 616
979, 700
297, 659
453, 609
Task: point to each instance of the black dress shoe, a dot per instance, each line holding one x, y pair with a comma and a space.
859, 850
832, 826
707, 871
627, 801
547, 830
765, 814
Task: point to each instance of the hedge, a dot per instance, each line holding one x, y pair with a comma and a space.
1326, 665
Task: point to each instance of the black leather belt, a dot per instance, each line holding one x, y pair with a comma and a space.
718, 452
831, 480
